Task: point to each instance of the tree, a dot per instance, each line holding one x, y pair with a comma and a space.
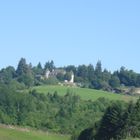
114, 81
128, 77
38, 70
90, 72
98, 70
51, 81
22, 67
7, 74
86, 134
67, 76
106, 75
60, 76
71, 68
112, 123
39, 66
24, 73
97, 84
133, 120
82, 72
49, 65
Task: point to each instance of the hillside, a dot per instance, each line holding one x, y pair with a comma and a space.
12, 133
84, 93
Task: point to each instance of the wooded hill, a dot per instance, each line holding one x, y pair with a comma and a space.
26, 75
100, 119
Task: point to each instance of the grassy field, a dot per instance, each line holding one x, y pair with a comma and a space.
132, 139
19, 134
15, 134
84, 93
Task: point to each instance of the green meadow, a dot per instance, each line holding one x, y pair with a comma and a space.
84, 93
15, 134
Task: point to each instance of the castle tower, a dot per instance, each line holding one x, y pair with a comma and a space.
47, 74
72, 78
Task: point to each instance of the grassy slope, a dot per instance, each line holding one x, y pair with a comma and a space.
14, 134
84, 93
132, 139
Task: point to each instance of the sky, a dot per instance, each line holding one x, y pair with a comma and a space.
71, 32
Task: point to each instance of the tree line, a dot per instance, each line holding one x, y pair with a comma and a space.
26, 75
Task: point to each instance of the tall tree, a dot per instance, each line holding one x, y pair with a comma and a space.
106, 75
22, 67
24, 73
39, 66
7, 74
114, 81
90, 72
82, 72
38, 70
49, 65
71, 68
98, 70
112, 123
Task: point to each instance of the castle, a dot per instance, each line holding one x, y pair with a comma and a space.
55, 72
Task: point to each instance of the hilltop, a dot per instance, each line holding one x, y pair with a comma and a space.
85, 76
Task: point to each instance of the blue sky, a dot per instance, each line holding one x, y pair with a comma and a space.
71, 32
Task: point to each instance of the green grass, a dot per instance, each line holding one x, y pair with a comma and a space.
84, 93
132, 139
15, 134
